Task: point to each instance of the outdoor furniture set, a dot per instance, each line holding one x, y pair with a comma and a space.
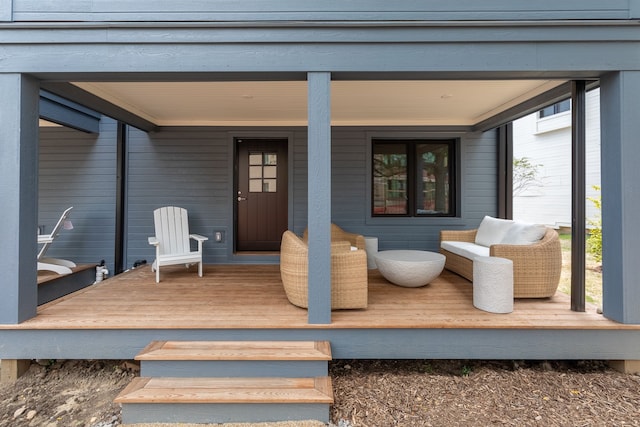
503, 259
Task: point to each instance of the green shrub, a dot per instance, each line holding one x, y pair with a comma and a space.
594, 241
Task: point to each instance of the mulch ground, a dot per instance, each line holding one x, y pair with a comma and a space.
368, 393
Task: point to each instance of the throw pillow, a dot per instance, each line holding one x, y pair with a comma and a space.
524, 234
492, 230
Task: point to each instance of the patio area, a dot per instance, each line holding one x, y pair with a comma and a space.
252, 297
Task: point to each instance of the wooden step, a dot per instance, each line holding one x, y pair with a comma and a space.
229, 381
236, 350
227, 390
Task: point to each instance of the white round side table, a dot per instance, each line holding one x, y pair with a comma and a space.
371, 246
493, 284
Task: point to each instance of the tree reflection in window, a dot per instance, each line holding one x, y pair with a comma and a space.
412, 178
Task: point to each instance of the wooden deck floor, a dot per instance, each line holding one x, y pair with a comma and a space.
252, 296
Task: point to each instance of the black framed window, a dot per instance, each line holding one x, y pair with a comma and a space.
557, 108
413, 178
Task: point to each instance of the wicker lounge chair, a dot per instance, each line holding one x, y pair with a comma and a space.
349, 286
339, 235
536, 267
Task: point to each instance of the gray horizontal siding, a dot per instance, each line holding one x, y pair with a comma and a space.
191, 167
465, 60
78, 169
186, 167
351, 187
312, 10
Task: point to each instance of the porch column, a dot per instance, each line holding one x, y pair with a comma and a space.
19, 195
620, 175
319, 196
578, 192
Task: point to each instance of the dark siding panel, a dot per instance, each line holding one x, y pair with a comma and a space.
249, 10
78, 169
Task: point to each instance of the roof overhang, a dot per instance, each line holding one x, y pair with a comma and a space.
476, 104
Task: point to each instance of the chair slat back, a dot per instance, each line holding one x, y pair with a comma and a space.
172, 229
60, 223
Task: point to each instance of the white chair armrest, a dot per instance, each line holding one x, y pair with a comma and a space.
154, 241
45, 238
198, 237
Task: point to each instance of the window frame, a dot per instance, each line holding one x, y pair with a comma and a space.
553, 109
412, 189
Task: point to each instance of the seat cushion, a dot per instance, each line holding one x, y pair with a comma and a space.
465, 249
492, 230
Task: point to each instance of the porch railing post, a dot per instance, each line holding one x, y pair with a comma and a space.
319, 196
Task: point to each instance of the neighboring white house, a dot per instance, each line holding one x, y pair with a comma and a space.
545, 139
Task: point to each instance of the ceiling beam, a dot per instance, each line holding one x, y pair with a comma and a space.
89, 100
66, 113
550, 97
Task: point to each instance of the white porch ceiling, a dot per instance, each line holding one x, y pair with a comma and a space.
284, 103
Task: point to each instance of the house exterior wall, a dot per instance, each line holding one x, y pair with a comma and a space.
79, 169
256, 10
547, 142
466, 40
193, 168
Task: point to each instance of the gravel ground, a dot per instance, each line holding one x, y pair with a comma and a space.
372, 393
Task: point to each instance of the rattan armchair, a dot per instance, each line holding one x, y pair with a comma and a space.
349, 285
536, 267
339, 235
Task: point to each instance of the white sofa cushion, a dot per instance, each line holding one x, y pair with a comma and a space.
521, 233
492, 230
465, 249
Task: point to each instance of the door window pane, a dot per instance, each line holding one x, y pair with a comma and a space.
255, 171
269, 185
263, 172
255, 186
255, 159
270, 171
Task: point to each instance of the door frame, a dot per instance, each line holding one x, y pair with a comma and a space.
232, 253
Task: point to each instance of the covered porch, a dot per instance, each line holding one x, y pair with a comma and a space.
121, 315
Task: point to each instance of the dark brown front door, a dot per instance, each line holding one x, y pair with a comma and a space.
261, 193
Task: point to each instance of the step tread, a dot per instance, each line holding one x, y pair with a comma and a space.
227, 390
236, 350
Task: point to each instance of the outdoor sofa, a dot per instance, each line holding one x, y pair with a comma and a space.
533, 248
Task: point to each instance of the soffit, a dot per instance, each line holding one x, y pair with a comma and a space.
353, 103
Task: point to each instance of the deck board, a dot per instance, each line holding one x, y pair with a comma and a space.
252, 296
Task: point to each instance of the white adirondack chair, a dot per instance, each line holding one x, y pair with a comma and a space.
60, 266
172, 240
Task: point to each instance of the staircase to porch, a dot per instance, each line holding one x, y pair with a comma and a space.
229, 381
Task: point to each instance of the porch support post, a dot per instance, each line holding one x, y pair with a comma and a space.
19, 195
578, 183
620, 163
505, 171
121, 185
319, 198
